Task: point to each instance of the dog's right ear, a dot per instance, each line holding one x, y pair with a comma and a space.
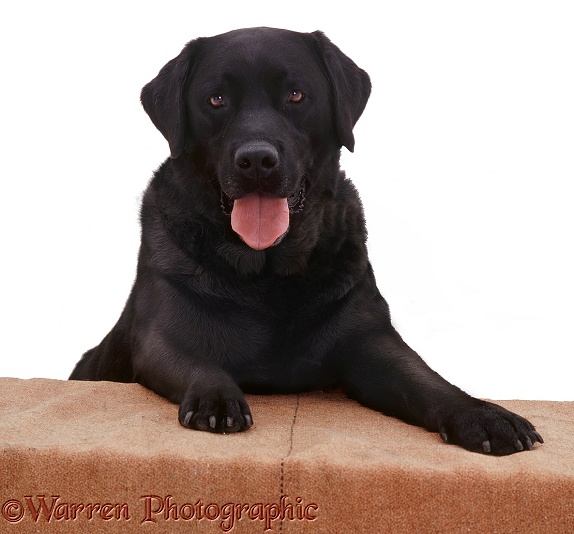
162, 98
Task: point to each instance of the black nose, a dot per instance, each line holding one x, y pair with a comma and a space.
256, 159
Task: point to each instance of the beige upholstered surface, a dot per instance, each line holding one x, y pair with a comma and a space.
106, 457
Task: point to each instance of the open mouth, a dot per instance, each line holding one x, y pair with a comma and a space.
296, 201
262, 220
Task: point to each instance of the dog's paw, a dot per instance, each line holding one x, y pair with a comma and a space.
220, 410
490, 429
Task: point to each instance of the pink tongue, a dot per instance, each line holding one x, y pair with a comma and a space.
260, 220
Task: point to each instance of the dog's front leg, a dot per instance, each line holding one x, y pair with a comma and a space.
382, 372
209, 398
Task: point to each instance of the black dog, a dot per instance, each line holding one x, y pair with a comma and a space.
253, 272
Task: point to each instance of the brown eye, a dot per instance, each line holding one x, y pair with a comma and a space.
217, 101
296, 96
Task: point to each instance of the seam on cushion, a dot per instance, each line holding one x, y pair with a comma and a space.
282, 477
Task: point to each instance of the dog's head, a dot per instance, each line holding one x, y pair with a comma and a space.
256, 109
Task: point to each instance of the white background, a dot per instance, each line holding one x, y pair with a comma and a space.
464, 159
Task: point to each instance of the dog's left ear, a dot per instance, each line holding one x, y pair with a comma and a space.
162, 98
351, 88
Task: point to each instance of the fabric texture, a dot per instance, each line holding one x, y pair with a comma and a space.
110, 457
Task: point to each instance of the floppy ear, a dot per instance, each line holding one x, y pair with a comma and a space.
162, 98
351, 88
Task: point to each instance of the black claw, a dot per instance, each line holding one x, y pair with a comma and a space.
518, 445
538, 437
212, 421
248, 420
486, 447
229, 422
528, 443
443, 435
187, 419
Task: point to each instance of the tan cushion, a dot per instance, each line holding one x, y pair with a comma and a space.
107, 457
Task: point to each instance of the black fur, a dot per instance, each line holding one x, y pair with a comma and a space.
208, 317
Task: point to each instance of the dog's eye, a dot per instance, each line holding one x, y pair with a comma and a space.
296, 96
217, 101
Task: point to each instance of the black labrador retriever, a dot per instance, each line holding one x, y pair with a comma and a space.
253, 273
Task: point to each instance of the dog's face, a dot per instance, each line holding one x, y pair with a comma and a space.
255, 109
